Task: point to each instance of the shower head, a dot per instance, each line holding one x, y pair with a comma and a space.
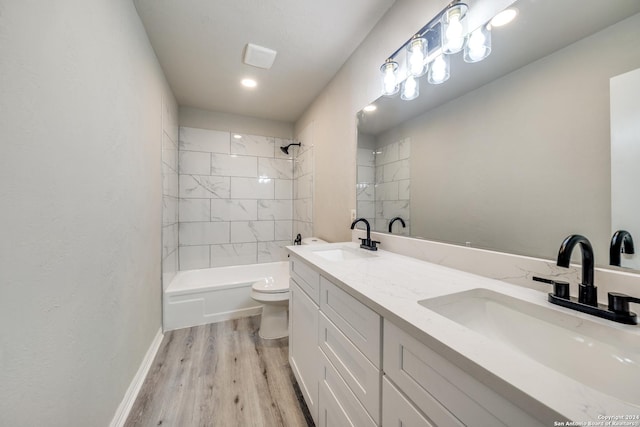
285, 149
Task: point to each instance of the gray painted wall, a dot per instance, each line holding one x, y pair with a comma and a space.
81, 195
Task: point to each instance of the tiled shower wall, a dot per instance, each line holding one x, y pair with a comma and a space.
383, 188
303, 191
236, 199
169, 195
393, 184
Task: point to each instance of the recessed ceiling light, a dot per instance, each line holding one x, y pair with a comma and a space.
504, 17
369, 108
249, 83
236, 136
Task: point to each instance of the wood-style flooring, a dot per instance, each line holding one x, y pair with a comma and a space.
221, 374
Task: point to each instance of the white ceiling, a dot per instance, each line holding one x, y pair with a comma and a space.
200, 46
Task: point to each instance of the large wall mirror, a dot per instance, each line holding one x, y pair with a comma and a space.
515, 152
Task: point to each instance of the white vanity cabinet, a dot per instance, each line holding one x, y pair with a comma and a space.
445, 394
303, 331
334, 351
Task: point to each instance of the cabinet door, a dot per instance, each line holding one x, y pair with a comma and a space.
303, 345
398, 411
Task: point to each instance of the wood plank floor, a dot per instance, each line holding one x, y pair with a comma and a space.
221, 374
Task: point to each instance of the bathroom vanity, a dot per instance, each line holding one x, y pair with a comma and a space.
378, 338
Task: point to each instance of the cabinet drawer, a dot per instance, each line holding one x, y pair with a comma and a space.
357, 372
306, 277
357, 321
337, 405
442, 391
398, 411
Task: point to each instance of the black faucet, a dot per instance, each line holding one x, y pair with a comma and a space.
298, 240
621, 242
367, 243
587, 301
397, 219
587, 292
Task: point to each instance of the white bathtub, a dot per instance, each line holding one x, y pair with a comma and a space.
198, 297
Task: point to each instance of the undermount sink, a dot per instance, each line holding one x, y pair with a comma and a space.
342, 254
604, 358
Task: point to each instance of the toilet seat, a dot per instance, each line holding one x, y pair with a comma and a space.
268, 289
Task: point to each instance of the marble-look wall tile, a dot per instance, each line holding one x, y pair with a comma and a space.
195, 163
169, 152
404, 189
366, 157
234, 210
275, 209
283, 230
234, 165
193, 210
252, 231
404, 149
252, 188
366, 174
212, 141
234, 194
202, 233
304, 187
303, 210
272, 251
387, 154
303, 163
366, 192
303, 228
169, 181
169, 210
366, 209
253, 145
387, 191
169, 239
234, 254
169, 268
396, 171
194, 257
392, 209
283, 189
201, 186
275, 168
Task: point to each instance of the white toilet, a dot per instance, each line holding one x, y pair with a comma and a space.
274, 297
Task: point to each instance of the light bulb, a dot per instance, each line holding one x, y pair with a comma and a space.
416, 55
410, 89
439, 70
389, 78
479, 45
453, 28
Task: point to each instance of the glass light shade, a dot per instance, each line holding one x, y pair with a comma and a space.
416, 56
454, 28
439, 70
410, 89
389, 72
478, 45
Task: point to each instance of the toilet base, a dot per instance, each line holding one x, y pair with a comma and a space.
275, 320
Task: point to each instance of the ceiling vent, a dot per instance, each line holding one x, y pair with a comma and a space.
259, 56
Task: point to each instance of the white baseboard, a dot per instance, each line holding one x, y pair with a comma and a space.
122, 413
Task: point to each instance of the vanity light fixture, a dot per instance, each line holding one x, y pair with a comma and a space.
427, 52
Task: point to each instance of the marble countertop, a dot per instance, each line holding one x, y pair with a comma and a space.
392, 285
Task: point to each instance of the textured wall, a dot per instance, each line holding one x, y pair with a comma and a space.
80, 189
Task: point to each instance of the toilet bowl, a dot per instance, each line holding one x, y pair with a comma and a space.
274, 297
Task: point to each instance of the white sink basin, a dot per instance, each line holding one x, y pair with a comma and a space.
343, 254
604, 358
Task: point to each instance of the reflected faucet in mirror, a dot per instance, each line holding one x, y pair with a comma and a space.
394, 220
367, 243
621, 243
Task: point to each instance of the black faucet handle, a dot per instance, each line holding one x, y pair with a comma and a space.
374, 243
619, 303
560, 289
